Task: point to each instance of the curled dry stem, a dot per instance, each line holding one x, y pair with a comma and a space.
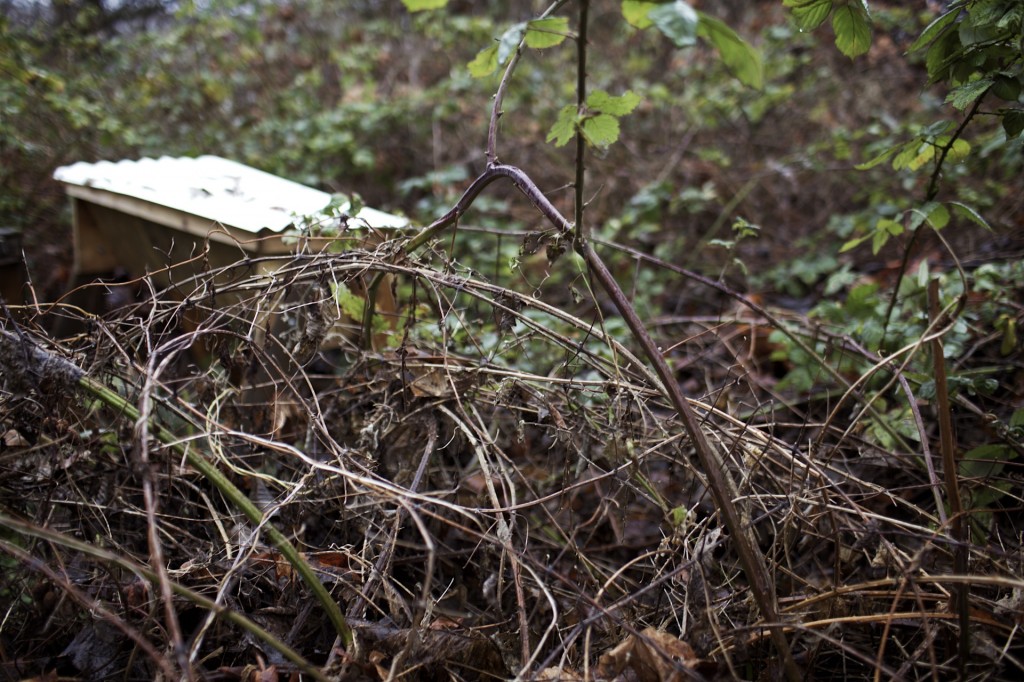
20, 357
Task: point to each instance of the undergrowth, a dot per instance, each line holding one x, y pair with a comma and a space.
495, 478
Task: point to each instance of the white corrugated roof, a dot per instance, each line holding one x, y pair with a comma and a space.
210, 187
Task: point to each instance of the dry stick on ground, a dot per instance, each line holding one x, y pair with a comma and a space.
949, 467
86, 549
30, 363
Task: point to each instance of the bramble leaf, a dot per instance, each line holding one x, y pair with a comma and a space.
962, 96
635, 12
599, 100
485, 63
601, 130
565, 126
509, 41
548, 32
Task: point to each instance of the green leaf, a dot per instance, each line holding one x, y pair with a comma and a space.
1017, 419
678, 21
565, 126
970, 213
1008, 326
880, 158
509, 41
962, 96
738, 56
935, 29
485, 63
854, 243
909, 153
884, 229
853, 31
542, 33
1007, 87
601, 130
601, 101
985, 460
926, 153
938, 215
1013, 123
635, 12
960, 150
941, 54
350, 304
423, 5
811, 15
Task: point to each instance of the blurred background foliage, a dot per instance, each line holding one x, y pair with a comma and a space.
365, 97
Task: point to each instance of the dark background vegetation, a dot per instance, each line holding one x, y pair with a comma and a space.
756, 189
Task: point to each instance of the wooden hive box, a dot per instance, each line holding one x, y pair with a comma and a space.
141, 216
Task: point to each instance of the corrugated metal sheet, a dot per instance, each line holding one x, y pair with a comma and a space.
223, 191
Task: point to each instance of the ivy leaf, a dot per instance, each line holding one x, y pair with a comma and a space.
853, 31
423, 5
541, 33
485, 63
565, 126
601, 101
1013, 123
678, 21
810, 15
509, 41
965, 94
635, 12
739, 57
601, 130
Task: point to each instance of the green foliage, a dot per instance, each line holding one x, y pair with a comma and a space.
677, 20
851, 21
742, 60
682, 24
537, 34
424, 5
598, 122
864, 317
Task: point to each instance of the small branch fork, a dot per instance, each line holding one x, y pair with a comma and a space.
720, 480
722, 485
